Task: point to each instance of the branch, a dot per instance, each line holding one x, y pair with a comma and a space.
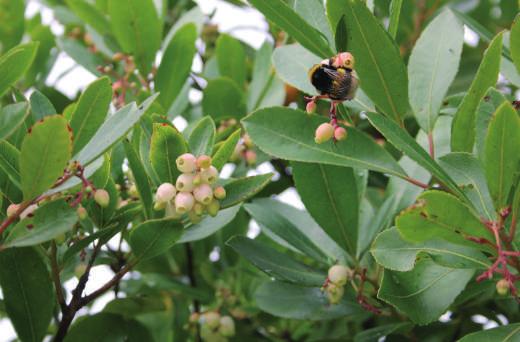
56, 278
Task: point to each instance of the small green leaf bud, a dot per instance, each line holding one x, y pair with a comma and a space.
186, 163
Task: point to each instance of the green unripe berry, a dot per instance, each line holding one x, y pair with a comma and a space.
213, 208
502, 287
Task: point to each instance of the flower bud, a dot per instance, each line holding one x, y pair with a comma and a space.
210, 175
338, 274
213, 208
157, 206
132, 191
247, 141
198, 209
203, 194
311, 107
186, 163
227, 326
171, 211
82, 213
203, 162
340, 133
12, 209
184, 201
219, 192
102, 198
334, 293
250, 157
165, 192
237, 152
502, 287
185, 182
324, 133
28, 211
211, 319
194, 218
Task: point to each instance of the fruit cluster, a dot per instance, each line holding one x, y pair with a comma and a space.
215, 327
334, 286
327, 131
193, 192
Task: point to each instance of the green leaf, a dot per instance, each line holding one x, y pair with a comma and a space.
276, 264
285, 229
468, 173
261, 76
9, 162
27, 292
194, 15
381, 70
142, 182
154, 237
137, 27
80, 54
209, 225
90, 15
223, 99
44, 155
283, 16
341, 35
90, 112
515, 42
395, 12
440, 215
41, 106
15, 63
12, 23
202, 137
400, 138
231, 59
463, 127
225, 151
381, 331
12, 117
506, 333
501, 155
330, 195
239, 190
175, 65
424, 293
113, 129
166, 145
393, 253
108, 327
296, 302
289, 134
292, 63
487, 107
432, 67
313, 12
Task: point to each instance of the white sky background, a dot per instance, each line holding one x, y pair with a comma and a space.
248, 25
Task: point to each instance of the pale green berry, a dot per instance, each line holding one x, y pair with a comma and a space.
213, 208
203, 194
209, 175
184, 201
227, 326
338, 274
219, 192
334, 293
186, 163
198, 208
82, 213
502, 287
165, 193
102, 198
324, 133
203, 162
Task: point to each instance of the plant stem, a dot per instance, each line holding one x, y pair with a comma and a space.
193, 282
416, 182
56, 278
431, 145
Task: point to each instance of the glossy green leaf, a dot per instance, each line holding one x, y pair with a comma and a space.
12, 23
154, 237
137, 27
142, 182
501, 155
90, 15
194, 16
27, 292
113, 129
202, 137
313, 12
15, 63
276, 264
223, 99
395, 13
175, 65
283, 16
262, 75
487, 107
515, 42
11, 117
381, 70
80, 54
432, 67
341, 35
225, 151
90, 112
231, 59
292, 63
463, 128
166, 146
44, 155
9, 162
209, 225
296, 302
330, 195
424, 293
506, 333
41, 106
239, 190
289, 134
381, 331
440, 215
393, 253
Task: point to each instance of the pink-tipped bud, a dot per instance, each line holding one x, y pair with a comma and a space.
165, 193
12, 209
28, 211
203, 194
340, 133
203, 162
311, 107
338, 274
198, 209
219, 192
82, 213
250, 157
334, 293
247, 141
185, 182
210, 175
227, 326
194, 218
502, 287
184, 201
186, 163
102, 198
324, 133
213, 208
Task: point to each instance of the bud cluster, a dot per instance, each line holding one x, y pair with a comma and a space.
244, 150
215, 327
194, 192
327, 131
334, 287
